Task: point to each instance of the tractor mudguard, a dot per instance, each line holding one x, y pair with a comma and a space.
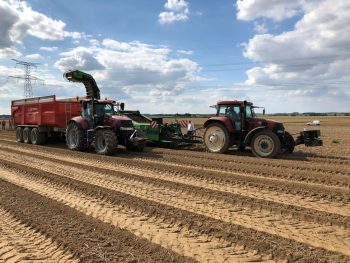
82, 123
250, 134
223, 120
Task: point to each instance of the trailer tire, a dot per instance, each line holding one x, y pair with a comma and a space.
38, 138
26, 135
265, 144
216, 138
289, 143
105, 142
19, 134
75, 138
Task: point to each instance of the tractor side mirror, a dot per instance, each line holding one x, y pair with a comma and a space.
264, 111
122, 106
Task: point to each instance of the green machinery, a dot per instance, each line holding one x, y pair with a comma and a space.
158, 133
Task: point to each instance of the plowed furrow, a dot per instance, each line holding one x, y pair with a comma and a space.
237, 196
22, 243
276, 171
317, 197
260, 167
172, 236
304, 232
284, 162
88, 238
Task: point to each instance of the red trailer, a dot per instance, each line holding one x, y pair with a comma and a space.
43, 116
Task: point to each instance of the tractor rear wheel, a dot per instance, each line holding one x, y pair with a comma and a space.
37, 137
19, 134
105, 142
26, 135
75, 138
216, 138
289, 142
265, 144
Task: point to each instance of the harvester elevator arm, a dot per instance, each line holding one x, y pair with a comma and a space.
89, 82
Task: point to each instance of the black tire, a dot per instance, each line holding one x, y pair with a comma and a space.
105, 142
26, 135
289, 143
216, 138
19, 134
75, 138
38, 138
265, 144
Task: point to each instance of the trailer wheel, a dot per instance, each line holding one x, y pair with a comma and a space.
265, 144
105, 142
216, 138
289, 143
75, 138
26, 135
37, 137
19, 134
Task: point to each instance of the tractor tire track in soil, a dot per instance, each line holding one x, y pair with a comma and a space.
168, 233
19, 242
322, 198
190, 205
85, 237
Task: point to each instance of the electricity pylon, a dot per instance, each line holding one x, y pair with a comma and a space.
28, 89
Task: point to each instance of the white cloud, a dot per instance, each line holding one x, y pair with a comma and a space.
177, 10
18, 19
133, 67
274, 9
260, 28
9, 53
185, 52
34, 56
49, 49
312, 60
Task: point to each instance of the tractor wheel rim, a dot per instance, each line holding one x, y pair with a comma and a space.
264, 145
215, 139
101, 142
72, 137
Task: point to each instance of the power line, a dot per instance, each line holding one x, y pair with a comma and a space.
27, 77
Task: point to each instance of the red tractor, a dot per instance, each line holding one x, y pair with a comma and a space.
83, 121
236, 124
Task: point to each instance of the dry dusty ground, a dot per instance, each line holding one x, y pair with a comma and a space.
176, 205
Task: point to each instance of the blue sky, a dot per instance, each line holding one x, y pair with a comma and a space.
168, 56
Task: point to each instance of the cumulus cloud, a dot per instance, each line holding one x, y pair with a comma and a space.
18, 19
49, 49
185, 52
313, 56
274, 9
133, 67
34, 56
177, 10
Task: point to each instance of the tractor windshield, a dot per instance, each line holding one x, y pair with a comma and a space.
104, 109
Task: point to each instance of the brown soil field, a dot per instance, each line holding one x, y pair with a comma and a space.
183, 205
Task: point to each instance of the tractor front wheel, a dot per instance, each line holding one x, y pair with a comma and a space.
75, 138
265, 144
216, 138
105, 142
